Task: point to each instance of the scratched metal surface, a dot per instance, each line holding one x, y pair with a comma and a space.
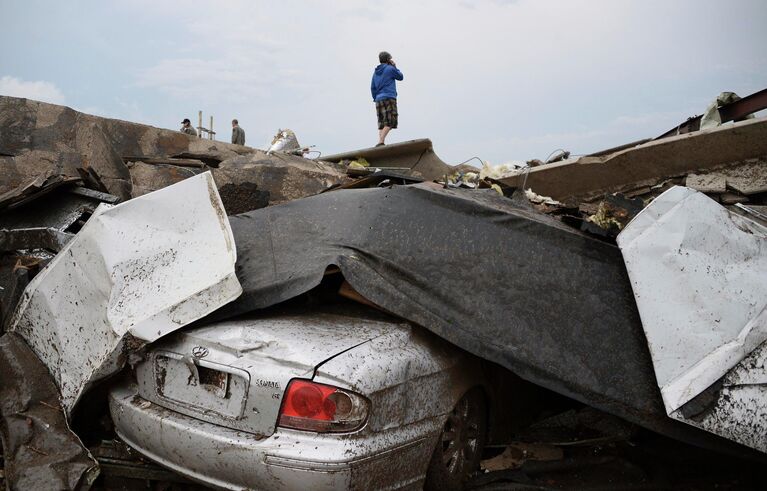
267, 351
698, 273
225, 458
411, 378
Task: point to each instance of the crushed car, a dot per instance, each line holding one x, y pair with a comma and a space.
307, 400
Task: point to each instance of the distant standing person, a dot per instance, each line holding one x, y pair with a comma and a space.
384, 90
238, 134
186, 127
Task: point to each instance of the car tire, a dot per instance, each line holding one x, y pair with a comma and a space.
460, 444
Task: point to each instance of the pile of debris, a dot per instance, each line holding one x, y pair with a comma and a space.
102, 224
601, 192
740, 185
44, 146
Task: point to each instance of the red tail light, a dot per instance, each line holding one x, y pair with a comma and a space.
308, 405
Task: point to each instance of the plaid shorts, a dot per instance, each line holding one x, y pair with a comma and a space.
387, 113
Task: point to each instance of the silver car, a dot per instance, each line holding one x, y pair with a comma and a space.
307, 401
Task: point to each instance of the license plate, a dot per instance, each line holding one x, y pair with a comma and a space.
213, 380
208, 386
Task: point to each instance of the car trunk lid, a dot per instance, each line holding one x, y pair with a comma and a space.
234, 373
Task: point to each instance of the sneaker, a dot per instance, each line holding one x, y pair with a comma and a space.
380, 144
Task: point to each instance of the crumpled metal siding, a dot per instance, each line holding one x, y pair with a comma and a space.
698, 273
737, 410
145, 267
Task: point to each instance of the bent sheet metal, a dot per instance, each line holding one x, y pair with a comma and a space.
698, 274
140, 269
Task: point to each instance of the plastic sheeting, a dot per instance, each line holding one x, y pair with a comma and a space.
40, 451
284, 141
140, 270
711, 117
698, 273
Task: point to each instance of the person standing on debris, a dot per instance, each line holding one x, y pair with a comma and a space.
238, 134
384, 90
186, 127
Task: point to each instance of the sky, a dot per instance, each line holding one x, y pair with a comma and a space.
500, 80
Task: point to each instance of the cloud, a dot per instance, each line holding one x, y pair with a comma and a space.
224, 59
648, 120
210, 79
621, 129
38, 90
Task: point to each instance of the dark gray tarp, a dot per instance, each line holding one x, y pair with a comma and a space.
496, 278
39, 449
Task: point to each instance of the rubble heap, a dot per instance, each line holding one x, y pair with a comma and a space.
62, 170
45, 146
601, 194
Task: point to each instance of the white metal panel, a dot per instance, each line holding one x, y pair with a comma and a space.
699, 276
739, 411
145, 267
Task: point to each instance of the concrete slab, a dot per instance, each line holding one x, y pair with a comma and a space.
589, 177
707, 183
748, 178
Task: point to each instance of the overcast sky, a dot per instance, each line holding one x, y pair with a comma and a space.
502, 80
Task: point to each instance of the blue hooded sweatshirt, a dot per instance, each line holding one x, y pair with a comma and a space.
383, 85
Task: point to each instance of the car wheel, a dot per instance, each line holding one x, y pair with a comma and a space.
460, 444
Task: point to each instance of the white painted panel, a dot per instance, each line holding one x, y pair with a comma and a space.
699, 276
145, 267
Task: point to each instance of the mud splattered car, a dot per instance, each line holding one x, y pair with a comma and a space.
307, 401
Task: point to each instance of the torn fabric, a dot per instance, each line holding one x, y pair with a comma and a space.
137, 270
